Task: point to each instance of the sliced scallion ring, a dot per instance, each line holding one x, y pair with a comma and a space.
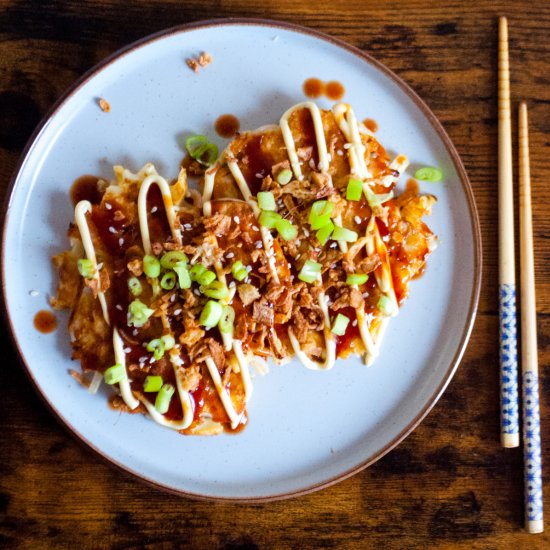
195, 145
86, 268
168, 341
354, 190
216, 290
319, 214
152, 383
211, 314
269, 219
340, 325
324, 233
343, 234
138, 313
266, 201
284, 176
114, 374
225, 324
238, 270
162, 401
286, 230
156, 347
206, 277
184, 278
385, 305
357, 279
429, 173
375, 200
151, 266
310, 272
168, 281
134, 286
196, 271
170, 259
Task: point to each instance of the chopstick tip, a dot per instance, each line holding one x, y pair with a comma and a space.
503, 28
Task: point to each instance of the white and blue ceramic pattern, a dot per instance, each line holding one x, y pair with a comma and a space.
306, 428
531, 446
509, 397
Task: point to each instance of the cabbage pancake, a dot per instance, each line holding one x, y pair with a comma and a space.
297, 247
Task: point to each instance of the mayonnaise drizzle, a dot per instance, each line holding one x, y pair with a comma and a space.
223, 393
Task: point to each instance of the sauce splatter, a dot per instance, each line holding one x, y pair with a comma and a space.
371, 124
86, 188
334, 90
313, 87
227, 125
45, 321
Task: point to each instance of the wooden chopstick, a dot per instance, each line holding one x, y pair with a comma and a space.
509, 400
529, 362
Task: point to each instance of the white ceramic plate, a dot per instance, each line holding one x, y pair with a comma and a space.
307, 429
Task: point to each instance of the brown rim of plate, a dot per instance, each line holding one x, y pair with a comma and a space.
476, 230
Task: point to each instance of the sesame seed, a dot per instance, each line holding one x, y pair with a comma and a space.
365, 294
99, 265
333, 245
177, 311
112, 229
354, 324
108, 206
152, 360
134, 332
259, 244
306, 232
120, 241
196, 292
248, 268
187, 226
33, 293
173, 298
255, 228
127, 350
260, 175
298, 256
230, 255
312, 164
357, 219
347, 145
236, 219
340, 152
119, 307
232, 284
291, 278
154, 209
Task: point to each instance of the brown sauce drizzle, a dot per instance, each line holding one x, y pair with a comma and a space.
371, 124
86, 188
227, 125
334, 90
45, 321
314, 88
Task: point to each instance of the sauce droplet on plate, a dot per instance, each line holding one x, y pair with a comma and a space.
45, 321
371, 124
86, 188
227, 125
313, 87
334, 90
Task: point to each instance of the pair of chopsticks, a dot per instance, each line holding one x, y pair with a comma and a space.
507, 291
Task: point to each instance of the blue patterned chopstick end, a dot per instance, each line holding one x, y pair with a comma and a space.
509, 398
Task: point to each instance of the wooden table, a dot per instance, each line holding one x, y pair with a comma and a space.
449, 484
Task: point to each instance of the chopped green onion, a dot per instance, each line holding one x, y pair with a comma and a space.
114, 374
340, 325
195, 145
211, 314
266, 201
211, 151
269, 219
216, 290
138, 313
284, 176
168, 281
225, 324
429, 173
134, 286
343, 234
324, 233
357, 279
162, 401
319, 214
86, 268
156, 347
286, 230
206, 277
170, 259
152, 383
238, 270
184, 278
375, 200
385, 305
168, 341
311, 271
151, 266
196, 270
354, 190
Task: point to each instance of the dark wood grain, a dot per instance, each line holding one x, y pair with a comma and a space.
449, 485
